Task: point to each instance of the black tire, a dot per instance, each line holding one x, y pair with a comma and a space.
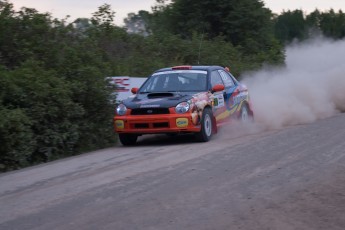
206, 131
128, 139
245, 116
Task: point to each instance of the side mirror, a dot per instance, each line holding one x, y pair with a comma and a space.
218, 88
134, 90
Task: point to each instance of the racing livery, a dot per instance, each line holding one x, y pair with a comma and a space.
182, 99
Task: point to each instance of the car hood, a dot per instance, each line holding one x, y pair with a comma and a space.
157, 100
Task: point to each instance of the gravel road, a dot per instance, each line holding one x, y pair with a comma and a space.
291, 178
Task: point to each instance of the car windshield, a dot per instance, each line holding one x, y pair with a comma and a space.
176, 81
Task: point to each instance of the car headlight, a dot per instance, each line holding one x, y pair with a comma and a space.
121, 109
183, 107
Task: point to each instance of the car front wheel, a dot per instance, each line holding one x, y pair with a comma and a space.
205, 133
128, 139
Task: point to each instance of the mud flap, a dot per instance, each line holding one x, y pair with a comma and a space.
214, 125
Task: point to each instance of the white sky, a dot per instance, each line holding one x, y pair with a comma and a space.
85, 8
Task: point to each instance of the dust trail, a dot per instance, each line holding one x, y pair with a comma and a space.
310, 87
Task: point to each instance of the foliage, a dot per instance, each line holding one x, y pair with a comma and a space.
290, 25
186, 30
246, 24
53, 97
332, 24
137, 23
295, 25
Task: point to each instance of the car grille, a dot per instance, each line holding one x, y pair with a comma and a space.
151, 125
149, 111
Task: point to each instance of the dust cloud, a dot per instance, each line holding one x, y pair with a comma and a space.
309, 87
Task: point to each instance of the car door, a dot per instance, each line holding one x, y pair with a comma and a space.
219, 105
230, 93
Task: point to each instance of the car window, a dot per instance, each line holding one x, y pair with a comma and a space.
170, 81
216, 79
233, 78
226, 78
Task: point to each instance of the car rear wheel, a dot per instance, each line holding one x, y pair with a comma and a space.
128, 139
206, 126
245, 116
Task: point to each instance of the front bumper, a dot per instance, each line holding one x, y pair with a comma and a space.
155, 123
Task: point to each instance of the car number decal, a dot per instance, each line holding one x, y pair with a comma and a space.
218, 100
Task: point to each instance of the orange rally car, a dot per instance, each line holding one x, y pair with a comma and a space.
182, 99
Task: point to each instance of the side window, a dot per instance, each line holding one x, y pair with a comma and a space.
226, 78
216, 79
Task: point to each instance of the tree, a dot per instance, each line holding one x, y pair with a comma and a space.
53, 97
236, 20
104, 16
313, 23
333, 24
246, 24
137, 23
38, 108
291, 25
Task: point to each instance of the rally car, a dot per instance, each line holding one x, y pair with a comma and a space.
182, 99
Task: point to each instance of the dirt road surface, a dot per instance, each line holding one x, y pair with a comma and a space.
287, 179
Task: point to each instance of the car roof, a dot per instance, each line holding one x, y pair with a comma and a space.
206, 68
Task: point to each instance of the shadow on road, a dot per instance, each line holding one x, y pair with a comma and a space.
164, 139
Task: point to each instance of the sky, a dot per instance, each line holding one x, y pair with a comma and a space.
84, 8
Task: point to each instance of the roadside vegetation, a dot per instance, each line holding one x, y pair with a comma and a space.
53, 99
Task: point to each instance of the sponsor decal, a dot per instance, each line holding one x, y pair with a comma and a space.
119, 124
239, 98
122, 84
218, 100
181, 122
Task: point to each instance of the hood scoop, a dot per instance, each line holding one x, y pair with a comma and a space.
159, 95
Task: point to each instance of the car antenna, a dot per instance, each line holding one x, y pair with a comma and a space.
202, 37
